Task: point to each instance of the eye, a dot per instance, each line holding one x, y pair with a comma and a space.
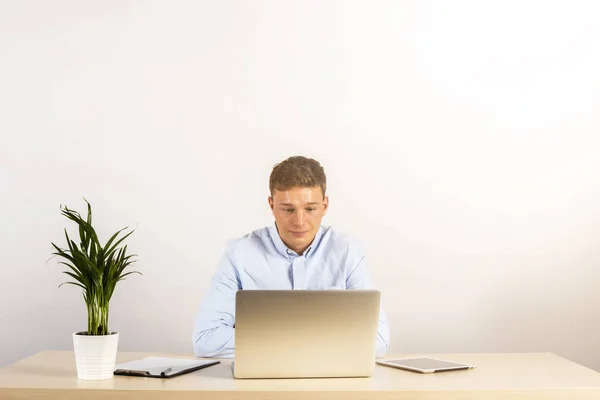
289, 210
311, 209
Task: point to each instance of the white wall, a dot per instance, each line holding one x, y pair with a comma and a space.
460, 140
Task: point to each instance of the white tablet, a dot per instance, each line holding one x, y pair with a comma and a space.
424, 365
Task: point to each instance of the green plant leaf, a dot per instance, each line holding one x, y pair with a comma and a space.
76, 277
75, 270
94, 268
73, 283
129, 273
112, 249
107, 245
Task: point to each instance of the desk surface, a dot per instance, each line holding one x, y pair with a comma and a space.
52, 374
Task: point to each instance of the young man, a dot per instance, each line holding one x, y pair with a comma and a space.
297, 252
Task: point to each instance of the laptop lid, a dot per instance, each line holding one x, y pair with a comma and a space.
305, 333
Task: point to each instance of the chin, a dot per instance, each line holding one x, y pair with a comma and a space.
297, 242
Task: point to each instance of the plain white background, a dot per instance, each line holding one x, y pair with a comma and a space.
460, 141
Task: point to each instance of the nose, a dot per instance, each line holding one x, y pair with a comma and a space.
299, 217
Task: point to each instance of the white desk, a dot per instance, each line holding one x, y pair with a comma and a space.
52, 375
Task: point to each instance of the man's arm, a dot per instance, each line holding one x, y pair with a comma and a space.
214, 334
359, 279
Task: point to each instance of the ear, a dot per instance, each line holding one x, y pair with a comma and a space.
271, 203
325, 205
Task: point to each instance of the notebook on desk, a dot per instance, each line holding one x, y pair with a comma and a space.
161, 367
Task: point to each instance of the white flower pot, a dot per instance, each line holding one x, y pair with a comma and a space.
95, 356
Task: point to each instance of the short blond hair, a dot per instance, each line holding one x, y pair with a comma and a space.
297, 171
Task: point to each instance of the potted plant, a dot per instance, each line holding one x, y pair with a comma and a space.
96, 269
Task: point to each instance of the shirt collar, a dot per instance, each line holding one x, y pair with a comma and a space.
286, 251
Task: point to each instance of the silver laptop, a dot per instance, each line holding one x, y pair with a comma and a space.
305, 333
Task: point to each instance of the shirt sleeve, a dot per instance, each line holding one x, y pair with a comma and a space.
359, 278
214, 333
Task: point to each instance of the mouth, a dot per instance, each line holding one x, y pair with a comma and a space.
298, 234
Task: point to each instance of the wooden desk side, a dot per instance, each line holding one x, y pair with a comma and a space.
52, 375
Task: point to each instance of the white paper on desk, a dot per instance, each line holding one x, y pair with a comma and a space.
158, 364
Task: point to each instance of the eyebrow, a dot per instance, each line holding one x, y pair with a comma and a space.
312, 203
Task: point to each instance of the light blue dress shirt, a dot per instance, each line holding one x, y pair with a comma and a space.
260, 260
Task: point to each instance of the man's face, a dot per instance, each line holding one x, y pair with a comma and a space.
298, 213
